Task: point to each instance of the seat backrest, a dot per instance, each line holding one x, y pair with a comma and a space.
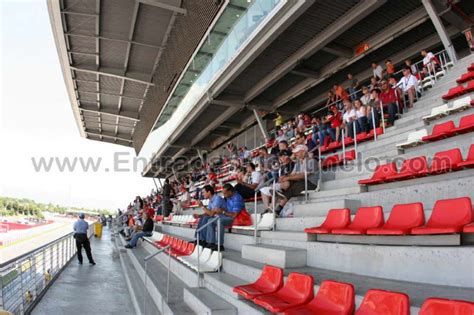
435, 306
443, 127
415, 165
384, 170
337, 219
205, 255
299, 287
470, 155
332, 159
408, 215
462, 102
368, 217
379, 131
339, 294
417, 135
266, 221
271, 279
466, 120
439, 109
183, 247
451, 212
384, 302
349, 155
447, 159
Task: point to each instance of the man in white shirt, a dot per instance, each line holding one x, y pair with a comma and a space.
255, 178
348, 118
429, 60
377, 71
409, 85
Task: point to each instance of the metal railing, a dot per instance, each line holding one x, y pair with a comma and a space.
146, 259
198, 271
25, 279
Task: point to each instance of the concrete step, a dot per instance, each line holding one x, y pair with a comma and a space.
203, 301
284, 257
298, 236
320, 208
298, 224
325, 195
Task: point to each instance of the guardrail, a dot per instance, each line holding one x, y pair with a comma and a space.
25, 279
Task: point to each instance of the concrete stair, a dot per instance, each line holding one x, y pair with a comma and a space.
283, 257
203, 301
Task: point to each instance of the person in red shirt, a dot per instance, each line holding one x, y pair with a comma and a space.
335, 119
389, 99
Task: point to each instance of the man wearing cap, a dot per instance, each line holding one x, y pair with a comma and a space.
80, 234
294, 183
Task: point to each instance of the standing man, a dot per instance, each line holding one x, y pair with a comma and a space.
166, 202
80, 234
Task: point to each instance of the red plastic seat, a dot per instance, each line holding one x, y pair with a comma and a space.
298, 290
411, 168
270, 281
466, 124
454, 92
469, 162
436, 306
333, 298
348, 141
165, 241
365, 218
380, 302
466, 77
470, 87
441, 131
363, 136
331, 160
334, 145
380, 174
379, 131
402, 219
446, 161
349, 155
325, 145
335, 219
448, 216
468, 228
471, 67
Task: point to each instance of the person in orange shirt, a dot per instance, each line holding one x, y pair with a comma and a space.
340, 92
390, 68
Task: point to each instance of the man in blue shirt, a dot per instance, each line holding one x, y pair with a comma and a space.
234, 204
80, 234
215, 202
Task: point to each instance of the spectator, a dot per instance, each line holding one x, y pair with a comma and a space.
373, 109
412, 67
361, 114
389, 100
348, 118
216, 202
365, 99
409, 85
377, 70
429, 61
294, 183
389, 67
332, 98
283, 146
145, 230
167, 206
234, 204
374, 83
354, 87
278, 120
280, 136
340, 93
255, 179
336, 121
266, 162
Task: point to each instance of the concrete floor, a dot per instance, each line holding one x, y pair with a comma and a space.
86, 289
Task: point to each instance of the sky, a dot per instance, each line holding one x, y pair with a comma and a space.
36, 121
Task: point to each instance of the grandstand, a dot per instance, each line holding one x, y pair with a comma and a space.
388, 228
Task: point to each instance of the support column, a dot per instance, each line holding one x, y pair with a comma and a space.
438, 24
260, 124
201, 156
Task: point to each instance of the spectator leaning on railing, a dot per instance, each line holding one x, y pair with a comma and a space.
145, 230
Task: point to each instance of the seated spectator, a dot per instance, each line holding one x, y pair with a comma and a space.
373, 113
266, 162
429, 61
335, 118
413, 68
348, 118
294, 183
389, 100
234, 204
377, 71
365, 98
300, 119
409, 85
286, 166
374, 83
354, 88
255, 179
361, 114
182, 201
145, 230
389, 68
216, 202
280, 136
283, 146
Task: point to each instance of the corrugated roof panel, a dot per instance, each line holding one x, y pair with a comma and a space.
116, 18
112, 54
142, 59
149, 20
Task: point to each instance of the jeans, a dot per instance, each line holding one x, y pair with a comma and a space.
137, 236
362, 124
392, 112
211, 237
326, 131
202, 234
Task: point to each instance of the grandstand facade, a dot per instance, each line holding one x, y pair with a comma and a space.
383, 224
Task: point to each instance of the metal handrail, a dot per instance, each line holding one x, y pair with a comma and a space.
146, 259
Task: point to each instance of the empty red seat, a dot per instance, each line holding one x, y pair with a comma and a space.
466, 124
349, 155
446, 161
454, 92
469, 162
298, 290
335, 219
466, 77
333, 298
165, 241
470, 87
435, 306
331, 160
411, 168
348, 141
372, 132
468, 228
402, 219
380, 174
448, 216
365, 218
270, 281
378, 302
441, 131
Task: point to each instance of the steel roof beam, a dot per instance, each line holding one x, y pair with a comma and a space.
338, 50
111, 39
112, 74
122, 114
165, 6
109, 94
304, 72
80, 14
123, 137
321, 40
